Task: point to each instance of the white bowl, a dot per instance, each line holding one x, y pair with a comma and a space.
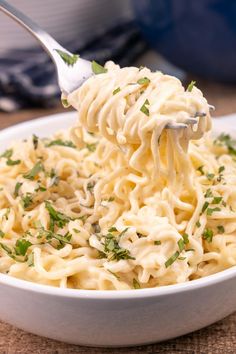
113, 318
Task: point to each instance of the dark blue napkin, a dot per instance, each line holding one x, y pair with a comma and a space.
28, 77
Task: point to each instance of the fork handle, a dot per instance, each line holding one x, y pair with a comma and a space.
47, 42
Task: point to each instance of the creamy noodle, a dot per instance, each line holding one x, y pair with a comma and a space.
119, 201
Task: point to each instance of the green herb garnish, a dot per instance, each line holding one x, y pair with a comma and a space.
1, 234
97, 68
172, 259
210, 211
220, 229
157, 243
143, 81
221, 169
208, 235
90, 186
185, 238
144, 108
136, 284
22, 246
190, 86
226, 140
116, 91
208, 193
91, 147
60, 142
65, 103
17, 188
210, 176
35, 141
56, 217
38, 167
216, 200
27, 200
69, 59
205, 206
198, 224
200, 169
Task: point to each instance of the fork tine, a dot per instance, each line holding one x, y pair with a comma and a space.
191, 121
176, 126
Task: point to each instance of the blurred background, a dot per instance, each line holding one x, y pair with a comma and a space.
193, 40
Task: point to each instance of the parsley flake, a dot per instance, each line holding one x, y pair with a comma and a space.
97, 68
136, 284
190, 86
144, 108
60, 142
69, 59
220, 229
116, 91
38, 167
143, 81
208, 235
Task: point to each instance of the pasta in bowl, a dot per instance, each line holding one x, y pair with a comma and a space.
114, 215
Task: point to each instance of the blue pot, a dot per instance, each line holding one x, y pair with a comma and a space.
198, 36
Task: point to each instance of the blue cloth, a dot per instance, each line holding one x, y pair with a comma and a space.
28, 77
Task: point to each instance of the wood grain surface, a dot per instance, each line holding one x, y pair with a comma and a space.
219, 338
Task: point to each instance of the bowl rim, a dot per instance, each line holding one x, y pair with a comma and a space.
49, 290
161, 291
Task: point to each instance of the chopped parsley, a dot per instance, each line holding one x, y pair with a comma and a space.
116, 91
35, 141
143, 81
91, 147
27, 200
56, 217
157, 243
226, 140
208, 235
205, 206
216, 200
112, 249
198, 224
97, 68
220, 229
17, 188
181, 245
210, 211
208, 193
11, 162
60, 142
112, 229
210, 176
38, 167
200, 169
185, 238
65, 103
22, 246
221, 169
90, 186
190, 86
144, 108
7, 155
136, 284
69, 59
172, 259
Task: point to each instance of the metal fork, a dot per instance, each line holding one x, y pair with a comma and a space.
74, 71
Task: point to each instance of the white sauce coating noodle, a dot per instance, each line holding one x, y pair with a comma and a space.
120, 202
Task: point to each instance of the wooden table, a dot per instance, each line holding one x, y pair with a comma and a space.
219, 338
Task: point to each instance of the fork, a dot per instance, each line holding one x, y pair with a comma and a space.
72, 70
